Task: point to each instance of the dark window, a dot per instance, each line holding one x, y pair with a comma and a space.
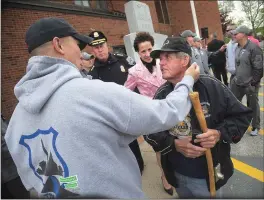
101, 4
162, 11
85, 3
119, 49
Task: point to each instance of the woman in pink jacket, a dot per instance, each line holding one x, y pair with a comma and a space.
146, 77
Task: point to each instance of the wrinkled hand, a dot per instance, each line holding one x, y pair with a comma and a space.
185, 147
194, 71
223, 47
208, 139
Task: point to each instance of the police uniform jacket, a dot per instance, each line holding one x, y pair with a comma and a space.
222, 112
115, 69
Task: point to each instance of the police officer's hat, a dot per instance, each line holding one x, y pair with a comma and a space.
98, 37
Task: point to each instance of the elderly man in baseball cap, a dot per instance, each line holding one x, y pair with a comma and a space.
183, 146
87, 63
204, 53
188, 35
249, 71
196, 57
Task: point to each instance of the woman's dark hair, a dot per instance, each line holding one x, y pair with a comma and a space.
142, 37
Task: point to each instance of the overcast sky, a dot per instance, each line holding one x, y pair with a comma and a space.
238, 13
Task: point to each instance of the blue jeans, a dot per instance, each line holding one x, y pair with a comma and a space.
193, 187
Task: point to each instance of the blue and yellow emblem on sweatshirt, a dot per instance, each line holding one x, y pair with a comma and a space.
48, 165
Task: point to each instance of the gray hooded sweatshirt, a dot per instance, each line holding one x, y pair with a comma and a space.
69, 135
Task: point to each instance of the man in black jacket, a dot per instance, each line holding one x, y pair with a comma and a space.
182, 154
218, 62
110, 67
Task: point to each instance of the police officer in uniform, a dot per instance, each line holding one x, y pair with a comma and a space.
110, 67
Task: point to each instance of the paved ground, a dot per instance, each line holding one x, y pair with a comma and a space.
247, 181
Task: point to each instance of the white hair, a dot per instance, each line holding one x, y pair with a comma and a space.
181, 54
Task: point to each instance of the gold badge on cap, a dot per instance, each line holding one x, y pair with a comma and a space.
122, 68
96, 34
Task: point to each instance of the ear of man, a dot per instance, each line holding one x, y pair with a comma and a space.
58, 45
187, 61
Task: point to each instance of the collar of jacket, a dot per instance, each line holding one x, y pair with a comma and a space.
141, 67
111, 59
245, 46
154, 78
168, 87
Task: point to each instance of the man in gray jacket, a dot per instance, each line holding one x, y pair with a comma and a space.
75, 140
196, 57
249, 71
204, 54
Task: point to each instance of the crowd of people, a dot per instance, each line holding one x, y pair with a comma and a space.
74, 131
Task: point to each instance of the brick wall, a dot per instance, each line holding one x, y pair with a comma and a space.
14, 53
208, 16
15, 22
158, 27
181, 16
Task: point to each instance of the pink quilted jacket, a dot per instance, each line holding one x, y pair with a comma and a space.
140, 77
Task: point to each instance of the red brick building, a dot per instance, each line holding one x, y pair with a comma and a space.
169, 17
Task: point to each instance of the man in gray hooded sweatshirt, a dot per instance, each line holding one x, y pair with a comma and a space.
69, 135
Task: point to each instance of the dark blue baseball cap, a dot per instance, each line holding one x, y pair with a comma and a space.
45, 29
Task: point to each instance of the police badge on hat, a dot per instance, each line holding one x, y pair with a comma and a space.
122, 68
96, 34
99, 38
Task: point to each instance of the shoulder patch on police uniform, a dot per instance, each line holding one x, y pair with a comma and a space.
96, 34
122, 68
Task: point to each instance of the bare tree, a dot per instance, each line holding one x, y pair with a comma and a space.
225, 8
254, 11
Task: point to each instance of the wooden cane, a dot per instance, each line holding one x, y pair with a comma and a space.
194, 96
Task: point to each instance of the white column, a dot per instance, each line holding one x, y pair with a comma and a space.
195, 22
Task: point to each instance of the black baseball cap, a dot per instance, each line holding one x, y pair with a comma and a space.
45, 29
98, 38
173, 44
